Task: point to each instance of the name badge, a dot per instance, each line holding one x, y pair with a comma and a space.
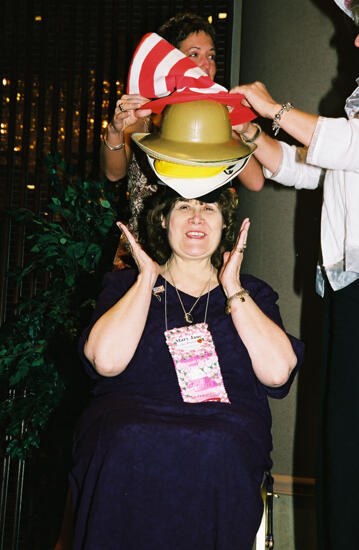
196, 363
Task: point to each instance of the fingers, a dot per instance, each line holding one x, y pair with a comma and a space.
131, 239
241, 128
143, 113
232, 261
131, 102
257, 95
226, 256
241, 242
128, 110
144, 262
119, 117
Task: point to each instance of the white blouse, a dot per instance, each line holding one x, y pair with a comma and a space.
332, 158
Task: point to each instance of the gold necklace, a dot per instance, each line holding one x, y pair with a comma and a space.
187, 314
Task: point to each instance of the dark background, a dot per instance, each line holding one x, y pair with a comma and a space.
62, 66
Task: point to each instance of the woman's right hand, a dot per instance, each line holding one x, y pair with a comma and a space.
143, 261
128, 110
257, 96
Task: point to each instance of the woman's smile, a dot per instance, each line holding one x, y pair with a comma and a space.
195, 234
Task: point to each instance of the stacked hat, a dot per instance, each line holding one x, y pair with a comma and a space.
159, 70
194, 152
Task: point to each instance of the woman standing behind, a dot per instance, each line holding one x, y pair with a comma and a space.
331, 157
195, 37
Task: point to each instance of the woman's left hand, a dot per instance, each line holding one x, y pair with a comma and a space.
232, 261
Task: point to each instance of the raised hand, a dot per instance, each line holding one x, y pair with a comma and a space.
128, 111
229, 275
257, 97
143, 261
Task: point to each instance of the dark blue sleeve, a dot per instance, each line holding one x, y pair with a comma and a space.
114, 286
266, 299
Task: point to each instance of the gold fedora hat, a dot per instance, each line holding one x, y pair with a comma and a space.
194, 133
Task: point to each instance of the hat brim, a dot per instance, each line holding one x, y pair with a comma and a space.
192, 188
193, 154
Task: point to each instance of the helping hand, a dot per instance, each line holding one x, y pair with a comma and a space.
232, 261
128, 111
258, 97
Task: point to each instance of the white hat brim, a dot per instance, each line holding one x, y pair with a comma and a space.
191, 188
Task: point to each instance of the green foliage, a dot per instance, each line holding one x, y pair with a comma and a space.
66, 260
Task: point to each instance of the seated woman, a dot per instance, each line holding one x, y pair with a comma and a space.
185, 351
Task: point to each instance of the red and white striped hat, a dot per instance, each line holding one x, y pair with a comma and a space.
159, 70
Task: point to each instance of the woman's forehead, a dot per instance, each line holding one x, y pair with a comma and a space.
195, 201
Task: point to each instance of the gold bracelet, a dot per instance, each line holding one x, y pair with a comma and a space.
113, 147
240, 294
256, 134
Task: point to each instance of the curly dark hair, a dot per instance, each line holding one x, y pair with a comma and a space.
153, 237
178, 28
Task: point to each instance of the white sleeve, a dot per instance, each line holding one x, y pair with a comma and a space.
335, 144
293, 170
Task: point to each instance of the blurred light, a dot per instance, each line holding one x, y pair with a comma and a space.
5, 82
30, 186
17, 148
222, 16
104, 124
92, 120
210, 19
38, 18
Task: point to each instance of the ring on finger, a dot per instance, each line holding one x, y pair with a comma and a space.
121, 108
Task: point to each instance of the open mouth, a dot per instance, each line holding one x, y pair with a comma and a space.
195, 234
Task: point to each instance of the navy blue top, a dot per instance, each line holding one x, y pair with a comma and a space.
174, 458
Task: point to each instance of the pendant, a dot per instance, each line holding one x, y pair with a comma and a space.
188, 317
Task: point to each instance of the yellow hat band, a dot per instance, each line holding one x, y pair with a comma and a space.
174, 170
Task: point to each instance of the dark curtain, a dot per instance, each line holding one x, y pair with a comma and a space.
62, 66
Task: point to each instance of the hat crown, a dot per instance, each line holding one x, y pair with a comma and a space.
194, 132
205, 122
